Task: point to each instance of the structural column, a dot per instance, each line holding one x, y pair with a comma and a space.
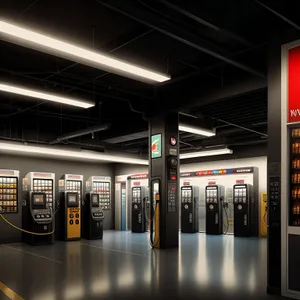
164, 178
274, 170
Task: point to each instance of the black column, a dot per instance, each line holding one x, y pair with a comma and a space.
164, 169
274, 169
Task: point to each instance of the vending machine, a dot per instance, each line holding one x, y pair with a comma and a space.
37, 219
68, 221
101, 185
214, 197
93, 217
189, 209
242, 199
9, 182
138, 213
37, 183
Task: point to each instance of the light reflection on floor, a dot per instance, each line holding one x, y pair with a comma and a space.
123, 264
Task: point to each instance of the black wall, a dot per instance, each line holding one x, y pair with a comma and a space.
59, 167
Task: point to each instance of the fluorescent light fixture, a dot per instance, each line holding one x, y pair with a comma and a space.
44, 96
206, 153
196, 130
68, 154
44, 43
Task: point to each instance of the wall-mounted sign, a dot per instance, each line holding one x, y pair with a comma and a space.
138, 176
212, 183
293, 85
218, 172
240, 181
156, 146
173, 141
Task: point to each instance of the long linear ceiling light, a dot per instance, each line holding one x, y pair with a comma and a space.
205, 153
44, 96
44, 43
69, 154
196, 130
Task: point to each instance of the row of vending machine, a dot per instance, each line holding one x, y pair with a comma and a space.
44, 218
215, 204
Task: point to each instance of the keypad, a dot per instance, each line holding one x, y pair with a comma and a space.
172, 198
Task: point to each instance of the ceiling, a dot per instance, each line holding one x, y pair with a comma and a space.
215, 52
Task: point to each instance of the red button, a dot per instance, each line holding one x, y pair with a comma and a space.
173, 177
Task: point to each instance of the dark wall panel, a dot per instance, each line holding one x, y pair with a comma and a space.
59, 167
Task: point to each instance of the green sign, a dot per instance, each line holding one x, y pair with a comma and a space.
156, 146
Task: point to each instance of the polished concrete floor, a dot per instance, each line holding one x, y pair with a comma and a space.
123, 266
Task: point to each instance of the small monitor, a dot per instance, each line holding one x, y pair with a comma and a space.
39, 199
95, 200
72, 199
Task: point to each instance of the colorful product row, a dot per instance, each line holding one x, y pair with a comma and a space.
296, 132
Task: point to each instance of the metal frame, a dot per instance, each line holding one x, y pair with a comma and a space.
286, 230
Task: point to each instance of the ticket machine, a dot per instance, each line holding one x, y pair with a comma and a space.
93, 217
37, 219
36, 183
70, 214
138, 209
68, 221
189, 209
214, 197
242, 198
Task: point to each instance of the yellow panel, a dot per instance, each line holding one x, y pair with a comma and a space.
263, 214
73, 217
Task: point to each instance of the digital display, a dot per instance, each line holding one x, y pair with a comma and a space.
39, 200
72, 198
95, 200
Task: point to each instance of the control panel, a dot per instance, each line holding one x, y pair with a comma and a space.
211, 194
44, 186
41, 214
274, 196
73, 216
103, 189
240, 194
96, 210
172, 196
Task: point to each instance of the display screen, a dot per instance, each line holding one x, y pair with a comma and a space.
39, 200
72, 198
95, 200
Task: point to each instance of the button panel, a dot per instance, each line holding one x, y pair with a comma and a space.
172, 190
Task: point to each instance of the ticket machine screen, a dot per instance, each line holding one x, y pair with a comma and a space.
72, 199
95, 200
39, 200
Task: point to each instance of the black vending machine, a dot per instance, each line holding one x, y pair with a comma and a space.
37, 218
138, 212
189, 209
242, 198
93, 217
214, 197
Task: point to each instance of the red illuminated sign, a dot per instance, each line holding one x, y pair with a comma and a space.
240, 181
137, 183
173, 177
186, 183
293, 85
173, 141
211, 182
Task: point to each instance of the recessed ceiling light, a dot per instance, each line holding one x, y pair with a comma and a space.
69, 154
44, 96
196, 130
44, 43
206, 153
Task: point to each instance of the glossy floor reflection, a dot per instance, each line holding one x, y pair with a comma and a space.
124, 266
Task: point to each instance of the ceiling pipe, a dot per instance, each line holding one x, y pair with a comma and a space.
205, 23
177, 34
79, 133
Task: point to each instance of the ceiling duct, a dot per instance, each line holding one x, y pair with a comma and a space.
82, 132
